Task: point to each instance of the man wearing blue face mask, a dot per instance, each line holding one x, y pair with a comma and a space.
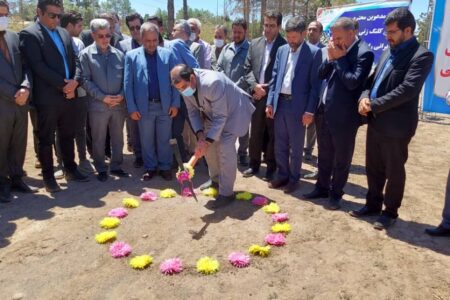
219, 112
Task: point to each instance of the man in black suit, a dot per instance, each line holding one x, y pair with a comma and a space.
258, 69
86, 35
48, 51
337, 120
391, 106
14, 93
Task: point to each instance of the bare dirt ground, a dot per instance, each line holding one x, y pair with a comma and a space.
48, 251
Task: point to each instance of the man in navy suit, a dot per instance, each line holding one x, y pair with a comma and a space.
337, 120
292, 101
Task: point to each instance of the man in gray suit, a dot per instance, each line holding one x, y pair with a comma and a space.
102, 67
14, 92
219, 112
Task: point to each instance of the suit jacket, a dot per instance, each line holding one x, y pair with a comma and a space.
125, 45
346, 79
253, 62
86, 37
226, 107
305, 83
13, 75
232, 63
394, 110
198, 52
183, 53
47, 64
136, 80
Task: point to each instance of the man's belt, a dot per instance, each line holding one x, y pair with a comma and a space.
285, 96
154, 100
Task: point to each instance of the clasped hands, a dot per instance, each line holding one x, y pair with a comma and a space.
69, 88
364, 107
21, 96
112, 100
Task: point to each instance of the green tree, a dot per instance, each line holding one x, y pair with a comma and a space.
424, 24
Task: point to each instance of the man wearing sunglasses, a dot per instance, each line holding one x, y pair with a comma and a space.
48, 51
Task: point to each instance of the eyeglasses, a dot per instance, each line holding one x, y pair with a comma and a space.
53, 15
133, 28
104, 36
391, 32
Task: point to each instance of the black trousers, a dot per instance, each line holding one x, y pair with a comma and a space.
335, 156
262, 137
60, 120
385, 166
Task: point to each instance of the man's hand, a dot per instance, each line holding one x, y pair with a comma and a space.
364, 106
135, 116
70, 96
173, 111
269, 111
339, 51
71, 85
201, 148
21, 96
307, 119
111, 101
259, 91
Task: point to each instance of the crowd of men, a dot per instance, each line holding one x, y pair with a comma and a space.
270, 94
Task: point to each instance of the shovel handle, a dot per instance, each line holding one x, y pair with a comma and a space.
193, 161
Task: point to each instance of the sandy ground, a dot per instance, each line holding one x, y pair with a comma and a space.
47, 247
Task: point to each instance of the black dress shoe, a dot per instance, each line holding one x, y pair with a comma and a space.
333, 204
438, 231
5, 193
119, 173
51, 185
277, 183
20, 186
307, 156
290, 187
250, 172
365, 211
75, 175
222, 201
149, 174
138, 163
166, 174
316, 194
102, 176
384, 222
269, 175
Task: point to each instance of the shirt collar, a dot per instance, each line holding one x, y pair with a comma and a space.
298, 49
404, 45
97, 50
353, 44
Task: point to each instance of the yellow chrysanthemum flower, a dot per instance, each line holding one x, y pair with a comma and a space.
246, 196
105, 237
207, 265
168, 193
141, 262
281, 227
190, 169
271, 208
110, 222
259, 250
130, 202
210, 192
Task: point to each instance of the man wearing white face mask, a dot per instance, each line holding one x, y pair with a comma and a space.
220, 36
196, 27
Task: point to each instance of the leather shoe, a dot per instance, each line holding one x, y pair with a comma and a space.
75, 176
138, 163
333, 204
307, 156
250, 172
166, 174
209, 184
119, 173
365, 211
149, 174
316, 194
222, 201
5, 193
290, 187
277, 183
102, 176
269, 175
384, 222
51, 185
20, 186
438, 231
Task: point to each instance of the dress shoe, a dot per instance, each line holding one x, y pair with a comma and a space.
438, 231
269, 175
243, 160
365, 211
138, 163
222, 201
277, 183
316, 194
75, 175
384, 222
333, 204
102, 176
250, 172
209, 184
37, 164
5, 192
307, 156
312, 175
58, 173
119, 173
51, 185
20, 186
149, 174
166, 174
85, 167
290, 187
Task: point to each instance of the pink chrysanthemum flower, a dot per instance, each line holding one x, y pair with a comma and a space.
186, 192
239, 260
275, 239
119, 249
171, 266
260, 201
148, 196
183, 176
119, 212
280, 217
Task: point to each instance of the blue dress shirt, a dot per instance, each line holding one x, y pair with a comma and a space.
59, 44
153, 82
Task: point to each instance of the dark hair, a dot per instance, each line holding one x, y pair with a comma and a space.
225, 30
185, 73
240, 22
344, 23
271, 14
318, 25
115, 15
71, 17
403, 17
356, 24
297, 24
42, 4
132, 17
155, 18
4, 3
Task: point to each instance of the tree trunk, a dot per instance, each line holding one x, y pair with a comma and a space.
280, 6
263, 11
185, 10
170, 15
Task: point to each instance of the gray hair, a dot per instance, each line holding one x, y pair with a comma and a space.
184, 26
98, 24
149, 27
297, 24
344, 23
196, 22
223, 27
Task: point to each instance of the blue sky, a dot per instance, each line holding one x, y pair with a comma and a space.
150, 6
